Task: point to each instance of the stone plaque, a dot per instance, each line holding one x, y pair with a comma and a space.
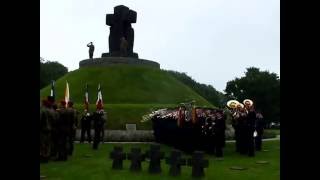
131, 127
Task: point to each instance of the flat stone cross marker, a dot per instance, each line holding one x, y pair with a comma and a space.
198, 164
155, 157
118, 156
238, 168
136, 158
262, 162
175, 161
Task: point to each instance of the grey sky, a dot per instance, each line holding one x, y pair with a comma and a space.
213, 41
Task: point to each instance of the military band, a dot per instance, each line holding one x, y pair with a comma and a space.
248, 126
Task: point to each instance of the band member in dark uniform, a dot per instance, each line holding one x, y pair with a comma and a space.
259, 129
242, 129
220, 128
250, 126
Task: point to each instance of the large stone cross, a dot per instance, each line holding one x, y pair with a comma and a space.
120, 26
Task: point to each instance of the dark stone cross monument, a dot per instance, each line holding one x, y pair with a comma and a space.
118, 156
136, 158
198, 164
120, 26
175, 160
121, 41
155, 157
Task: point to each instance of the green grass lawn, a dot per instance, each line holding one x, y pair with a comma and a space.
276, 131
99, 165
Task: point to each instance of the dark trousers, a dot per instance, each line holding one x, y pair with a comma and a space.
44, 147
54, 144
85, 130
97, 138
250, 144
90, 55
220, 142
70, 142
62, 147
258, 140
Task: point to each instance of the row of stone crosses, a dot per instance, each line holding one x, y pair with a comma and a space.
197, 162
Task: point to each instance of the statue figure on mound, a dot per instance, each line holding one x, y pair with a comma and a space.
123, 47
91, 49
121, 36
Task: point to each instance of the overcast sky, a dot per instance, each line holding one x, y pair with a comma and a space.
213, 41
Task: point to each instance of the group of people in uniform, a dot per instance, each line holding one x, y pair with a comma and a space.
58, 127
248, 125
191, 128
213, 126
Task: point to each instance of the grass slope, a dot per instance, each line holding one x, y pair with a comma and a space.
128, 92
122, 84
99, 165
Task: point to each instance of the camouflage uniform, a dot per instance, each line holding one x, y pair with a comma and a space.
62, 131
54, 133
71, 126
45, 129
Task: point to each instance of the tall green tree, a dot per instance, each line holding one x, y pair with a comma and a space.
50, 70
262, 87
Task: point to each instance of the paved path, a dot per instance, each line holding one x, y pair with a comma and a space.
229, 141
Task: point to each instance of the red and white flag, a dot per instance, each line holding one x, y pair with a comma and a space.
86, 99
99, 102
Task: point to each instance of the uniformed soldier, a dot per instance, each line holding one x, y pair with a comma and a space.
98, 122
62, 132
54, 139
45, 129
91, 49
72, 127
85, 126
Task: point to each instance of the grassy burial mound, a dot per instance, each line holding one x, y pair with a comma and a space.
128, 92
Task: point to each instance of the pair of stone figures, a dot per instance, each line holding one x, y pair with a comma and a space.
123, 47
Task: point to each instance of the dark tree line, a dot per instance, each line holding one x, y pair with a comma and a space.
50, 70
206, 91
